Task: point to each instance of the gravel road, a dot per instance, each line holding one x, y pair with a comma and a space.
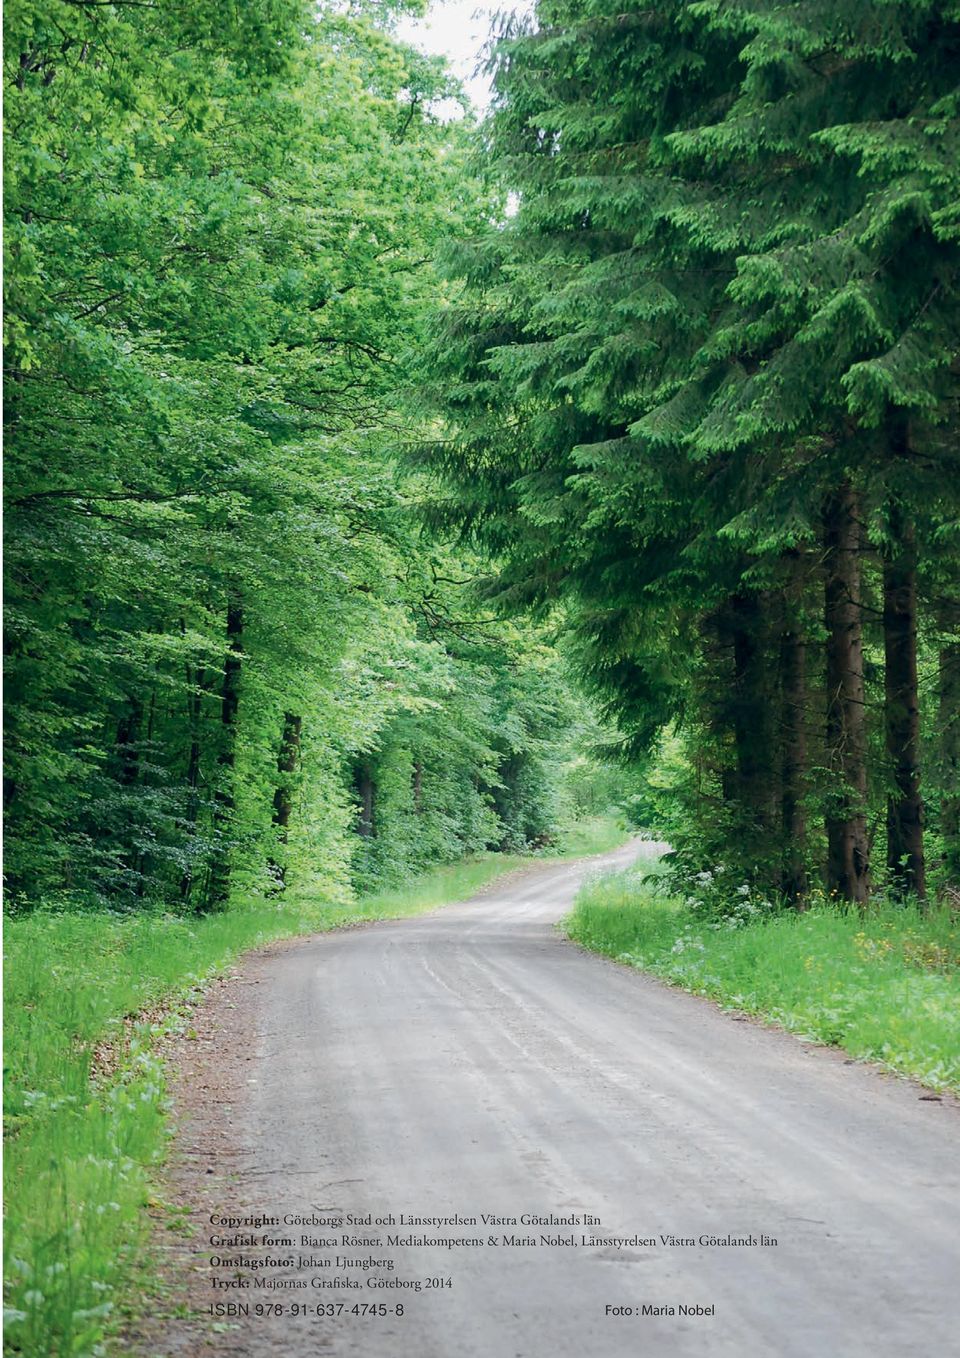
471, 1062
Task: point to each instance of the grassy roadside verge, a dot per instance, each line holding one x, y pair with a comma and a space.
86, 1121
884, 986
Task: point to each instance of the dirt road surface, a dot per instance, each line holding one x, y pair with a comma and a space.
472, 1062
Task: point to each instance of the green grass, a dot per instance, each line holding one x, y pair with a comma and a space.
86, 1115
594, 834
452, 882
885, 986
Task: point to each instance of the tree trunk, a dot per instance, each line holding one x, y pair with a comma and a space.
128, 744
141, 859
128, 750
286, 765
949, 731
418, 786
905, 862
283, 796
192, 809
793, 688
718, 666
224, 801
367, 792
848, 854
756, 779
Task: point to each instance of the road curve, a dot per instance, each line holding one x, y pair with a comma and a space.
471, 1061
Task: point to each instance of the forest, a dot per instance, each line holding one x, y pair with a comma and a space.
235, 658
349, 445
399, 493
710, 366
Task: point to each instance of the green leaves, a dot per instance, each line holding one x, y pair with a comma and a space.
220, 241
729, 283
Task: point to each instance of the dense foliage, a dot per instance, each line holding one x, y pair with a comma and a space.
695, 397
230, 657
702, 388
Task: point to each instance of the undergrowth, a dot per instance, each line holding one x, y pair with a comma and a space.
883, 985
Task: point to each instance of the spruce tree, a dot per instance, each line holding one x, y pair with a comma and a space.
687, 358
